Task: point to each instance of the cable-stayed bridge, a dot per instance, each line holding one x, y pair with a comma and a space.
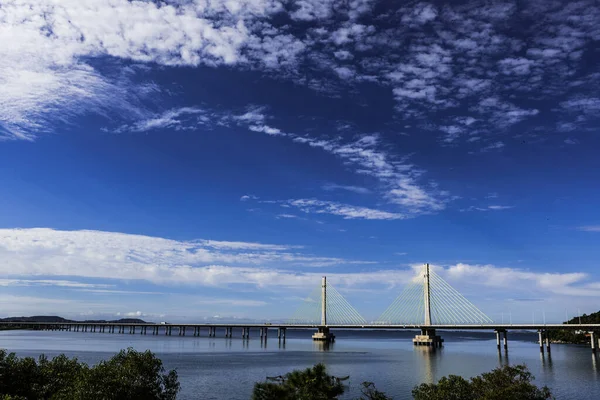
428, 303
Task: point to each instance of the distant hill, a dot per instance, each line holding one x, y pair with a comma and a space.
57, 319
569, 336
593, 318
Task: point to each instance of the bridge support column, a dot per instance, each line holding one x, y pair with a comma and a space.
505, 340
547, 342
324, 335
498, 340
429, 338
593, 341
541, 339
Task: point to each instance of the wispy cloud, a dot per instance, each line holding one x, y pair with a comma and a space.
51, 282
459, 58
287, 216
497, 208
487, 208
590, 228
349, 188
46, 252
247, 197
177, 119
398, 177
313, 206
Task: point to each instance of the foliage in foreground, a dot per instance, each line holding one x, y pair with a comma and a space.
311, 384
505, 383
128, 375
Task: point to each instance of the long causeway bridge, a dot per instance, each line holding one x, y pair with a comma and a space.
428, 304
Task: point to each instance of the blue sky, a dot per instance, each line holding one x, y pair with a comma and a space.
184, 160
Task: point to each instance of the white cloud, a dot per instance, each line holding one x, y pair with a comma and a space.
255, 120
50, 282
287, 216
26, 254
571, 284
47, 62
176, 119
590, 228
350, 188
313, 206
107, 255
487, 208
430, 58
117, 256
247, 197
398, 178
496, 208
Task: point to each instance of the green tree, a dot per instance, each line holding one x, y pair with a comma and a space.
311, 384
506, 383
370, 392
128, 375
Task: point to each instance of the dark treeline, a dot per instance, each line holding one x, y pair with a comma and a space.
570, 336
57, 319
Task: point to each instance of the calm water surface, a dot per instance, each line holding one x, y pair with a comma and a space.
220, 368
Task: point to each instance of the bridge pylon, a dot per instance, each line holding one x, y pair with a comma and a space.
324, 308
427, 301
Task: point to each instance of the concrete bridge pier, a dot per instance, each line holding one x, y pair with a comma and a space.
541, 340
264, 333
281, 334
593, 341
429, 338
501, 342
323, 335
547, 342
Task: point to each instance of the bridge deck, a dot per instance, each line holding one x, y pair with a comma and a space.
582, 327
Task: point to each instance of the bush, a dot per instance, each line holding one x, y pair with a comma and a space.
311, 384
128, 375
506, 383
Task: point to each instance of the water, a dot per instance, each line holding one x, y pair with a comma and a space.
220, 368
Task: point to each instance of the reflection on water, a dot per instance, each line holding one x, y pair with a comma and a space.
322, 345
503, 359
430, 357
